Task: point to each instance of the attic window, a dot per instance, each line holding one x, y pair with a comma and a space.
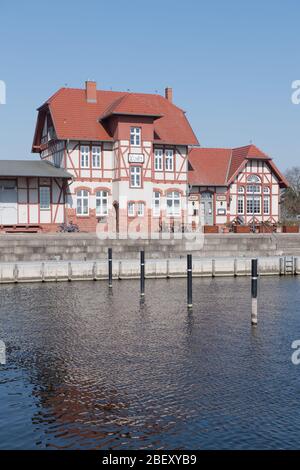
135, 136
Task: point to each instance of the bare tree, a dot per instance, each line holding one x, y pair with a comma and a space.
290, 204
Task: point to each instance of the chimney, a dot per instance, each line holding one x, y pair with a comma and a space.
169, 94
91, 91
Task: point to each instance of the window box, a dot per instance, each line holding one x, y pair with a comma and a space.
265, 228
290, 229
241, 229
211, 229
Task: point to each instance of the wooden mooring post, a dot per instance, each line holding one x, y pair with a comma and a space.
254, 280
142, 273
110, 267
189, 282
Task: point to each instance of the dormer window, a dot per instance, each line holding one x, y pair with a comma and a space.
135, 136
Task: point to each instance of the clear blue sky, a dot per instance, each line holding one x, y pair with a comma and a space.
230, 63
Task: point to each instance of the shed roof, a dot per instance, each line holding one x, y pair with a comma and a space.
37, 168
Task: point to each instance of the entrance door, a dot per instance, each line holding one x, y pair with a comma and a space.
8, 202
206, 204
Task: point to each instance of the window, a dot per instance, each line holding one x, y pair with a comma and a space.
156, 203
241, 205
253, 188
253, 205
158, 159
84, 156
82, 202
169, 160
101, 203
45, 198
173, 203
135, 136
96, 154
135, 176
131, 209
266, 190
253, 179
267, 205
241, 189
141, 209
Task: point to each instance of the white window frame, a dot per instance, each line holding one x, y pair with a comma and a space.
158, 159
169, 160
173, 210
267, 200
45, 195
253, 179
241, 189
84, 156
140, 209
131, 209
253, 188
241, 200
156, 197
250, 201
266, 190
102, 202
96, 156
135, 176
135, 136
82, 195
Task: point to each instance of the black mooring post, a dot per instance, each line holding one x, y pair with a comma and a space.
189, 282
254, 276
109, 267
142, 273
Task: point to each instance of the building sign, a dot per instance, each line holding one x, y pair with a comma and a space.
193, 197
221, 197
135, 158
221, 212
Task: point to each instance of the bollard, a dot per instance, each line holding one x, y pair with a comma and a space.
189, 282
254, 291
142, 273
109, 267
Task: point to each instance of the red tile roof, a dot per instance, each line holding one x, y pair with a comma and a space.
210, 166
75, 118
219, 166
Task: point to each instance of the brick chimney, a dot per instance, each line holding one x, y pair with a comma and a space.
91, 91
169, 94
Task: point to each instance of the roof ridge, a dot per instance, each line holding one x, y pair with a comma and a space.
229, 166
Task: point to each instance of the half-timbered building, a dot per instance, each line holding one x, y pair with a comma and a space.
240, 185
127, 153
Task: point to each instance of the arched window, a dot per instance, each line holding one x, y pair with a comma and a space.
102, 203
82, 202
241, 189
173, 203
253, 179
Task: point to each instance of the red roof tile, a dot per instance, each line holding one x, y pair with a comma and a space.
218, 167
210, 166
75, 118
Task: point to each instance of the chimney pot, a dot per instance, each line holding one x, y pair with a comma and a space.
91, 91
169, 94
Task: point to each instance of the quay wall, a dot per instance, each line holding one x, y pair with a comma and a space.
43, 271
87, 247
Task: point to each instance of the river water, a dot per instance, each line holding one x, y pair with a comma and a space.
90, 369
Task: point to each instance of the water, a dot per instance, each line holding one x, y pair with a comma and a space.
87, 369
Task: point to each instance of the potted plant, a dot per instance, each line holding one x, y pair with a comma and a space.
241, 229
211, 229
290, 226
266, 227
